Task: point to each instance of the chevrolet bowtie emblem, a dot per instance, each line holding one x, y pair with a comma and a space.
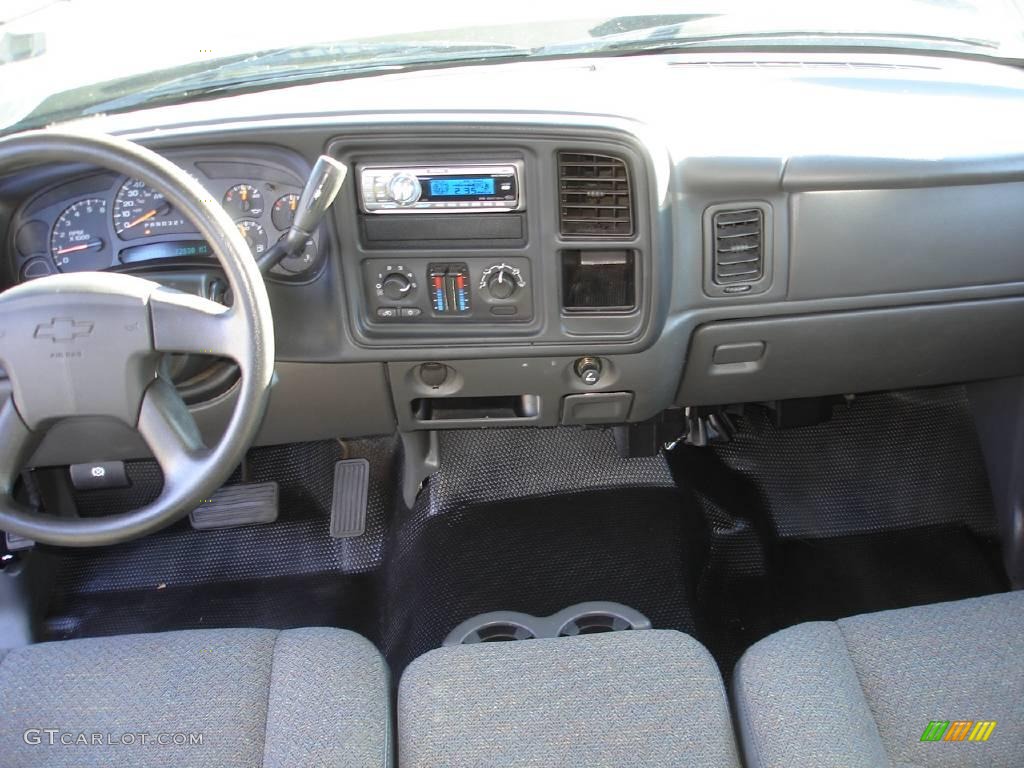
63, 329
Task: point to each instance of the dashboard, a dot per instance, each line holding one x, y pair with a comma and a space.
560, 243
109, 222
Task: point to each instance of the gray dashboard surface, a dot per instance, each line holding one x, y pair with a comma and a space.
892, 182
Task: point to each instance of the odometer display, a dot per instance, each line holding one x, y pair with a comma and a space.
176, 249
78, 242
140, 211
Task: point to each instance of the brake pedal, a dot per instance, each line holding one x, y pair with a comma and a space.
234, 505
348, 501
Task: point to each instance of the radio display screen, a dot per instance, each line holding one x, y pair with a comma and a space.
461, 187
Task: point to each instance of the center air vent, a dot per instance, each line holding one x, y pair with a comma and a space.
738, 246
594, 196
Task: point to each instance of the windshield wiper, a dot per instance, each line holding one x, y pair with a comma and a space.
257, 71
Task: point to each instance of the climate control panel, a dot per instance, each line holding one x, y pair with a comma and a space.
433, 290
449, 288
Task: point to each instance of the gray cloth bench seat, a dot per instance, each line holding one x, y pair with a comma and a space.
651, 698
256, 697
862, 691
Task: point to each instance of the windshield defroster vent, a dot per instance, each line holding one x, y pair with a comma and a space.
738, 246
594, 196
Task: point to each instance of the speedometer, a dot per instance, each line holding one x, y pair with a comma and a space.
140, 211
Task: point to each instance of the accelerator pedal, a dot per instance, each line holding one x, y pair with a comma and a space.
234, 505
348, 502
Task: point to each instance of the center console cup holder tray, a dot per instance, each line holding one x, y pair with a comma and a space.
579, 619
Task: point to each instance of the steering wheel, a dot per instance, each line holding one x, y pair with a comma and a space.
90, 343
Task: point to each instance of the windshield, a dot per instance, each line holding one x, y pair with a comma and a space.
60, 59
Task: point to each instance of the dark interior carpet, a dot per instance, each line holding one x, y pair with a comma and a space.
885, 506
287, 574
280, 602
538, 556
832, 578
477, 541
883, 462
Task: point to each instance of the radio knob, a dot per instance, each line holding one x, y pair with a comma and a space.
404, 188
395, 286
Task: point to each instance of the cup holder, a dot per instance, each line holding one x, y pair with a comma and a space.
594, 624
582, 619
499, 633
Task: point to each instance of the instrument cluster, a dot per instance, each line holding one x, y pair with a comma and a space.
104, 222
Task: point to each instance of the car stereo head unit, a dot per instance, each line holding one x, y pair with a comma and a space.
441, 189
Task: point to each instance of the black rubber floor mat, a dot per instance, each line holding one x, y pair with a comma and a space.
885, 506
496, 465
884, 462
827, 579
465, 549
635, 547
298, 543
282, 602
289, 573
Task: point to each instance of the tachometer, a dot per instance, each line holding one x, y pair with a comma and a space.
78, 243
244, 200
140, 211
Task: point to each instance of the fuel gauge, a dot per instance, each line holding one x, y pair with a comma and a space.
283, 212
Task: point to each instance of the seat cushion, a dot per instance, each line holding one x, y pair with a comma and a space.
231, 697
862, 691
651, 698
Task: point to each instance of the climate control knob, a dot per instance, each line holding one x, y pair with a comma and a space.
404, 188
501, 281
396, 286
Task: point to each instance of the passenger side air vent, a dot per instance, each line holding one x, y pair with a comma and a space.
594, 197
738, 246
